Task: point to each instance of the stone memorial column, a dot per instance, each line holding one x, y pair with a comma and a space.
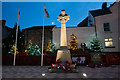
63, 53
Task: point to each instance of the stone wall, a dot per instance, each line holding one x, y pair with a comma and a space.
35, 35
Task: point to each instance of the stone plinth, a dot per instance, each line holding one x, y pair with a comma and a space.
64, 55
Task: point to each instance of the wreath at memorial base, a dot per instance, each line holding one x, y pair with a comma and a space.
64, 66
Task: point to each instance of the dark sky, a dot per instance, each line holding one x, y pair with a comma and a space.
31, 13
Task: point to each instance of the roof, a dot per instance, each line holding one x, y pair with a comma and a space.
100, 12
40, 27
84, 23
95, 13
8, 28
2, 22
112, 4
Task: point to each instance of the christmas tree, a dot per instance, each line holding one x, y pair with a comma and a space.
29, 44
51, 47
12, 50
33, 50
96, 45
73, 42
37, 50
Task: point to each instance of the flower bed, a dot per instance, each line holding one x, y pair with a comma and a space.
24, 59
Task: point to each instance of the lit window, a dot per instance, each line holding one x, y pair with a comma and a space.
106, 26
108, 42
110, 39
106, 39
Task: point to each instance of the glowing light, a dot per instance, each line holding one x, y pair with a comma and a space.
110, 39
108, 42
43, 74
52, 22
84, 74
106, 39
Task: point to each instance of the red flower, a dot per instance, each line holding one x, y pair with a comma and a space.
79, 59
75, 62
67, 64
58, 61
52, 65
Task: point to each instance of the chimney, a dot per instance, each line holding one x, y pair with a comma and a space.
104, 5
3, 22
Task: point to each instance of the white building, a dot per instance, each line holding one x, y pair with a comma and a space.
103, 23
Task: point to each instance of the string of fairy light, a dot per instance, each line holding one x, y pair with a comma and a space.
73, 42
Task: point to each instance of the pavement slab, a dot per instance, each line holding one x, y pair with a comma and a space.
37, 71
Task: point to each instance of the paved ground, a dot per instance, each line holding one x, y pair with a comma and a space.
36, 72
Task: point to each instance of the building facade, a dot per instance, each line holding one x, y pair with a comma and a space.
5, 29
102, 23
108, 28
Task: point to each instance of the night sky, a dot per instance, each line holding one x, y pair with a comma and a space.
31, 13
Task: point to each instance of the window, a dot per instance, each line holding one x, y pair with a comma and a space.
108, 42
106, 26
